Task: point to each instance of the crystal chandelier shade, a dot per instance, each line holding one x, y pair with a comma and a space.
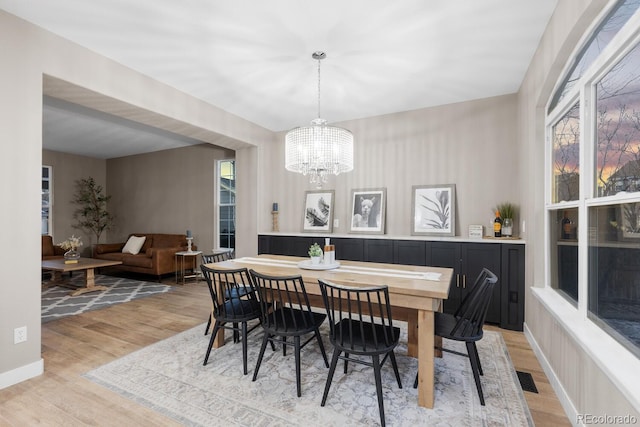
319, 150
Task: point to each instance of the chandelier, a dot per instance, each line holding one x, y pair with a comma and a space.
319, 150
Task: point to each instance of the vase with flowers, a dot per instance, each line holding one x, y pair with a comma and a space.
71, 246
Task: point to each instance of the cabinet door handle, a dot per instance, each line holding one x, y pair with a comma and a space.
457, 280
464, 281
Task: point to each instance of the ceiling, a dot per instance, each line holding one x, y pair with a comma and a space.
252, 58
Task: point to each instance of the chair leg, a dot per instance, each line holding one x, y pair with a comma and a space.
473, 357
415, 382
216, 327
376, 373
475, 348
324, 354
206, 330
236, 334
395, 368
332, 370
244, 347
346, 362
284, 346
296, 341
263, 347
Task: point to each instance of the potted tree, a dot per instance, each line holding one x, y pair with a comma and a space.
91, 215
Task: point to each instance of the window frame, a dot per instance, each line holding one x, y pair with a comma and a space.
219, 203
584, 93
48, 205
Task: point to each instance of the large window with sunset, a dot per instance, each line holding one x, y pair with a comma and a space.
593, 197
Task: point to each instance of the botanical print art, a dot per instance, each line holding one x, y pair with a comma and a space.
434, 210
318, 211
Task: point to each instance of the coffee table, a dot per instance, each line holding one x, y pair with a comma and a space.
88, 265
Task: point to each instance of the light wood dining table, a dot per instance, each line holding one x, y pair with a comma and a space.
415, 292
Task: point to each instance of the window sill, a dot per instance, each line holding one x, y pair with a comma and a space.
611, 357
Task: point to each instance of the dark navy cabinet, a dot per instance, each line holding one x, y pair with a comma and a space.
467, 261
466, 258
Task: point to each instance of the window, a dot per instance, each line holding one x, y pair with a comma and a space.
566, 156
47, 198
599, 40
593, 125
227, 203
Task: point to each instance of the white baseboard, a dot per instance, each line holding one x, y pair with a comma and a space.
22, 373
563, 397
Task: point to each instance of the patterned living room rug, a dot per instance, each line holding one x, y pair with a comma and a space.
169, 378
57, 303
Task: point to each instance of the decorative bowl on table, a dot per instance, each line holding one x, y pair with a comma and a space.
308, 265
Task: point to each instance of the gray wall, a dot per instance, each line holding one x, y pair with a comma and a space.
167, 191
470, 144
67, 169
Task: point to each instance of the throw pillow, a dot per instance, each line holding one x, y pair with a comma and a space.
133, 245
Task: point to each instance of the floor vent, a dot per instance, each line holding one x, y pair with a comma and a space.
526, 382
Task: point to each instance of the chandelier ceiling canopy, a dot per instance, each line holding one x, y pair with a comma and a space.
319, 150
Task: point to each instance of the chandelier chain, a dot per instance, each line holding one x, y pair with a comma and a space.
319, 116
319, 150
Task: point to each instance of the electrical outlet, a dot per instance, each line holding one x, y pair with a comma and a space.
336, 223
19, 335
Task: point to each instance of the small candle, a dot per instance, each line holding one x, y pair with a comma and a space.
189, 234
275, 207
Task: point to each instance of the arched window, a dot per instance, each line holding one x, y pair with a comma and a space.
593, 170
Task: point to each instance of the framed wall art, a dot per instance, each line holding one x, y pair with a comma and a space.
368, 208
318, 211
433, 209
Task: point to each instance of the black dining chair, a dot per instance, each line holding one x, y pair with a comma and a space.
217, 257
360, 324
286, 313
467, 323
233, 306
213, 258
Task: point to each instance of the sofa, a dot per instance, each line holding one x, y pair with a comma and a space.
156, 256
49, 250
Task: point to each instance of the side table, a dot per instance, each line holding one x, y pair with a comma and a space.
180, 262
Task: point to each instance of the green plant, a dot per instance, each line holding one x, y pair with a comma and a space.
506, 209
314, 250
91, 215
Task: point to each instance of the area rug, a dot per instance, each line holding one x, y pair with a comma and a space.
169, 378
57, 303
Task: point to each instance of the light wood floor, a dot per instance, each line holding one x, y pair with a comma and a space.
74, 345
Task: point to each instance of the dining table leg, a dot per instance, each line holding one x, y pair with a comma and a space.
426, 366
412, 334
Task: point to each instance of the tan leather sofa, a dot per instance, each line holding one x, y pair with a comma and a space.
157, 256
49, 250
